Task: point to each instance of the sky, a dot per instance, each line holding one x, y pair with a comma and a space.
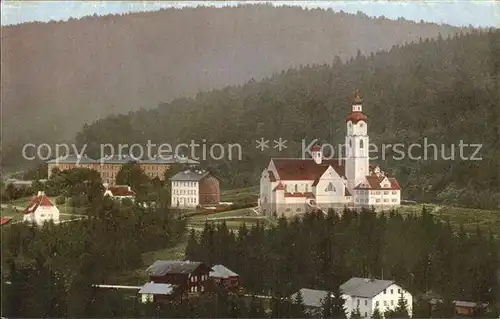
478, 13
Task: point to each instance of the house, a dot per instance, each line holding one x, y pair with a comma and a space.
191, 188
290, 186
463, 308
367, 294
109, 166
313, 300
40, 210
120, 192
4, 221
190, 277
153, 292
223, 276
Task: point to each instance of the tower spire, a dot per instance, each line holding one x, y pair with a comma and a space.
357, 98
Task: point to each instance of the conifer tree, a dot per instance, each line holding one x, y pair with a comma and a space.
376, 314
327, 306
355, 314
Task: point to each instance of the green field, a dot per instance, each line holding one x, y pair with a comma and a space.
240, 194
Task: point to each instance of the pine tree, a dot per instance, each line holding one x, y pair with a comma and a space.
338, 309
327, 306
401, 310
376, 314
298, 307
255, 309
193, 247
356, 314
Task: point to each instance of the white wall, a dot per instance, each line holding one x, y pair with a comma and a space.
386, 301
186, 193
43, 214
389, 299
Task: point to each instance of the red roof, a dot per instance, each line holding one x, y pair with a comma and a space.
40, 200
280, 187
306, 195
4, 221
374, 182
305, 169
355, 117
121, 191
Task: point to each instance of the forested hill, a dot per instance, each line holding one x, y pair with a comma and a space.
58, 75
445, 90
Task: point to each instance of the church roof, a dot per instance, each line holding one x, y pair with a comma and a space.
357, 99
374, 183
355, 117
305, 169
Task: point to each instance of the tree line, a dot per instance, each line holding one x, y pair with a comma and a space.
318, 252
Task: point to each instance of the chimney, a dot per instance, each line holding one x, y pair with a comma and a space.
129, 188
40, 193
316, 154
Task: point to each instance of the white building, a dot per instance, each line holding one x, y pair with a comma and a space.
151, 290
367, 294
191, 188
40, 210
291, 186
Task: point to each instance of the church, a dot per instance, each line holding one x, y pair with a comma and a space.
290, 186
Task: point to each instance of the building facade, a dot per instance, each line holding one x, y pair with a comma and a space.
108, 167
225, 277
290, 186
191, 188
41, 210
189, 277
366, 295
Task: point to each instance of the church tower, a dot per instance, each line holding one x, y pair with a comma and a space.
356, 144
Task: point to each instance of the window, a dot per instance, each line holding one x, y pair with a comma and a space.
285, 187
307, 188
385, 290
366, 314
399, 291
361, 143
330, 188
392, 291
366, 303
386, 193
358, 302
386, 200
296, 188
394, 192
378, 200
376, 303
392, 302
385, 302
394, 200
377, 193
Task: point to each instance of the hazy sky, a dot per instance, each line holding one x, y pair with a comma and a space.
478, 13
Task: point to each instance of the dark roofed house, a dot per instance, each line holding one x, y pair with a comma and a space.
221, 275
313, 299
189, 276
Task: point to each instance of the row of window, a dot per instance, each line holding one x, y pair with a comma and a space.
184, 184
361, 201
195, 288
185, 192
184, 200
376, 193
202, 278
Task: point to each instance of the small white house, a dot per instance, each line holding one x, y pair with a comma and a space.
367, 294
40, 210
151, 289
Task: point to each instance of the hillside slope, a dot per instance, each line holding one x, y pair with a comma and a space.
444, 90
56, 76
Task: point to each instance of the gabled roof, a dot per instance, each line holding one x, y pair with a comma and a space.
40, 200
121, 191
163, 267
312, 298
220, 271
364, 287
157, 289
305, 169
374, 183
191, 175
